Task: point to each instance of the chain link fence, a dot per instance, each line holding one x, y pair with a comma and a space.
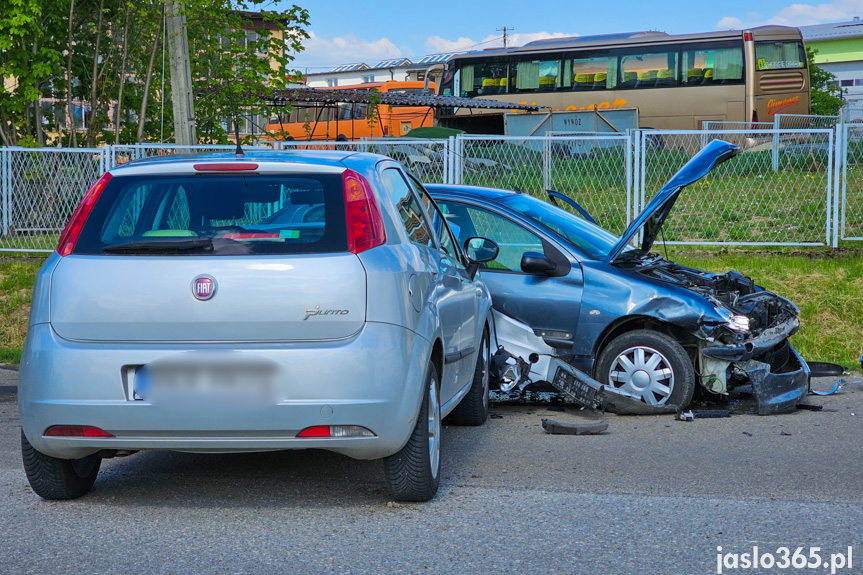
787, 187
593, 170
851, 189
750, 199
40, 189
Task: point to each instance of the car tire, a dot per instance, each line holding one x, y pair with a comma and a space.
656, 353
473, 408
413, 474
53, 478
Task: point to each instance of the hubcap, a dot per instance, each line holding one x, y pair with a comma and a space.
434, 428
643, 372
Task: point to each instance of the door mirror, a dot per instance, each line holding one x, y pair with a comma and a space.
537, 264
480, 250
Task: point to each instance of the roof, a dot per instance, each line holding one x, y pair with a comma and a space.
390, 63
332, 158
313, 95
833, 31
351, 67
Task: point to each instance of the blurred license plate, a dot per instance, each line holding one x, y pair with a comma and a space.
231, 381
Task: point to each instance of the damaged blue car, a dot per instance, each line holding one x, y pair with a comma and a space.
614, 310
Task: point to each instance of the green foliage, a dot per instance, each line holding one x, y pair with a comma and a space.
372, 112
825, 93
231, 69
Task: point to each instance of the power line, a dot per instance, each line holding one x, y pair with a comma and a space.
505, 29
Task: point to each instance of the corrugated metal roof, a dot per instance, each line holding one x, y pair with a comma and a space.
833, 31
350, 67
435, 58
392, 63
314, 95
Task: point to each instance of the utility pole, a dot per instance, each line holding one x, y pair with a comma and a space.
504, 30
181, 73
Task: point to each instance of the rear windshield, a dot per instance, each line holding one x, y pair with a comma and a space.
779, 55
217, 215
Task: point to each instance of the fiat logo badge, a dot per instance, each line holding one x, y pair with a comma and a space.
204, 287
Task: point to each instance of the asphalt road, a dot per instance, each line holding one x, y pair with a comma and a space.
653, 495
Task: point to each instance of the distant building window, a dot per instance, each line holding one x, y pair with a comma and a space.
332, 82
368, 79
421, 76
858, 82
845, 83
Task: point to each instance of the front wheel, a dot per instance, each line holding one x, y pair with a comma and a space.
649, 365
413, 473
53, 478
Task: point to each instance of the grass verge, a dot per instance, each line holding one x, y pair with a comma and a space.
16, 289
826, 285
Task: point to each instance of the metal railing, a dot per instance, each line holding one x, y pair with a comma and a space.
796, 187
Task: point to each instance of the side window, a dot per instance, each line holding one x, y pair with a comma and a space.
407, 206
512, 239
441, 230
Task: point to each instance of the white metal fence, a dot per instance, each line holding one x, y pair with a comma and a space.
788, 187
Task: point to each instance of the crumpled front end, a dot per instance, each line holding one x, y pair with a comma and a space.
747, 342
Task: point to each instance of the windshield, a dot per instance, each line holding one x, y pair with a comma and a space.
589, 238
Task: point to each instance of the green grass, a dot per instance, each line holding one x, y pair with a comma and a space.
826, 286
16, 289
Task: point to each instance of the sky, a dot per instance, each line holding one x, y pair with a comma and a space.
348, 31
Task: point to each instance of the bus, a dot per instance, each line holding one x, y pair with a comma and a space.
343, 121
675, 81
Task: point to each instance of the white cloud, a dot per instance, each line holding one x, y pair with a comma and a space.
435, 44
329, 52
799, 15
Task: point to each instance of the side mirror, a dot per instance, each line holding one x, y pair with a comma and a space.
537, 264
479, 251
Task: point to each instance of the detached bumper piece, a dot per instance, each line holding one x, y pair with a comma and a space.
777, 391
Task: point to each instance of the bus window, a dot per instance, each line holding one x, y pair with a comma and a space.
649, 70
719, 66
779, 55
482, 79
537, 75
591, 73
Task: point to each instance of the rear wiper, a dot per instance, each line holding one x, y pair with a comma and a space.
163, 244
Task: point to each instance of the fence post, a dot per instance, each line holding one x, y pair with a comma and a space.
629, 150
546, 163
841, 149
458, 160
774, 152
5, 185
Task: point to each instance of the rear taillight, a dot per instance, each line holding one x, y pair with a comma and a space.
748, 37
365, 224
336, 431
754, 119
79, 217
75, 431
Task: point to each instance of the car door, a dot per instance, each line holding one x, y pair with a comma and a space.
549, 304
466, 291
443, 283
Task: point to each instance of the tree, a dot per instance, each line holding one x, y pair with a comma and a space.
825, 94
100, 62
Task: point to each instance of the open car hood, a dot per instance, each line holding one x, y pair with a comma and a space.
657, 209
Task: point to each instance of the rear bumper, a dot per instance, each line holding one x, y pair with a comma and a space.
373, 379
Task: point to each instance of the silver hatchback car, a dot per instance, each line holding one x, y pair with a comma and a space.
221, 303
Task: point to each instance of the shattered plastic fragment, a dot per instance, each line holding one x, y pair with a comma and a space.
686, 416
837, 387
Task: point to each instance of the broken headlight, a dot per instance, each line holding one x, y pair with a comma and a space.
736, 323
